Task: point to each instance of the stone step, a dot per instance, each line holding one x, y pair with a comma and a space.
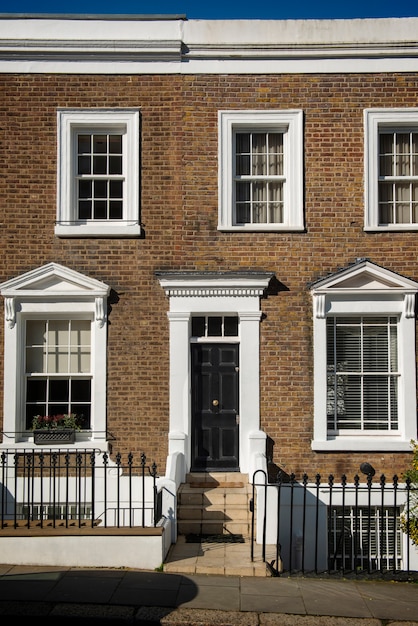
213, 511
213, 527
220, 496
207, 480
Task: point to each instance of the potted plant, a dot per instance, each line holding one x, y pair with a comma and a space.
55, 428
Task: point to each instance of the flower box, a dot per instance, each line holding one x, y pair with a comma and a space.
46, 436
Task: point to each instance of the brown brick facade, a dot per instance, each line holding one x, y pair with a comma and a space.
179, 214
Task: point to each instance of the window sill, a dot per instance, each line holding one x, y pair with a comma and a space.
111, 229
279, 228
362, 444
396, 228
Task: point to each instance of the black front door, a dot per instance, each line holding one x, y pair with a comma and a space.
215, 440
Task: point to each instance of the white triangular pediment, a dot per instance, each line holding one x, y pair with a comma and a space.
365, 276
53, 279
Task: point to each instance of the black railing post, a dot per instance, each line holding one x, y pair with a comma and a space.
118, 463
356, 523
304, 482
154, 491
78, 483
143, 460
105, 463
3, 486
292, 485
54, 486
343, 486
369, 511
16, 469
382, 520
93, 486
28, 478
279, 496
130, 460
395, 522
408, 519
330, 527
67, 486
41, 485
317, 484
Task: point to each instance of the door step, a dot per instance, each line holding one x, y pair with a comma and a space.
214, 504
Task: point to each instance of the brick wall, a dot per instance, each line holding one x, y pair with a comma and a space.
179, 204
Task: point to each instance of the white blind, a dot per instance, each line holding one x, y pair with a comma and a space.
362, 373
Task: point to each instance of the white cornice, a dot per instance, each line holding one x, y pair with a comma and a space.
210, 284
176, 45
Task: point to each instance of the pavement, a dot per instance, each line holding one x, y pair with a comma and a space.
113, 597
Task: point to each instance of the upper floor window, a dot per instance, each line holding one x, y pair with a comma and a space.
391, 152
98, 173
260, 170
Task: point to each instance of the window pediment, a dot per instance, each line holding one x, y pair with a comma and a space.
53, 279
366, 276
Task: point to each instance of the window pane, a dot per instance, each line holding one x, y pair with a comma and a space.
116, 189
80, 390
259, 213
100, 188
215, 326
99, 144
275, 141
84, 210
348, 348
402, 196
36, 390
198, 327
414, 157
115, 144
84, 189
99, 165
231, 326
385, 203
59, 390
375, 349
376, 405
402, 154
84, 144
115, 210
84, 165
115, 165
242, 163
259, 167
100, 210
386, 155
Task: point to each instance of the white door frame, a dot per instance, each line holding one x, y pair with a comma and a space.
214, 293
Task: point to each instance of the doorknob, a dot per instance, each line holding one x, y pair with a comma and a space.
215, 402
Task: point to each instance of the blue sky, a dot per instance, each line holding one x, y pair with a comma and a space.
222, 9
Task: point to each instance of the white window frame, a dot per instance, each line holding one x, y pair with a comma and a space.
374, 121
366, 289
72, 121
52, 291
290, 122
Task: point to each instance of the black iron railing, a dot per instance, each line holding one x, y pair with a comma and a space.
344, 528
84, 488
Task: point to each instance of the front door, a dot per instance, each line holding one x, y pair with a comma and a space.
215, 430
